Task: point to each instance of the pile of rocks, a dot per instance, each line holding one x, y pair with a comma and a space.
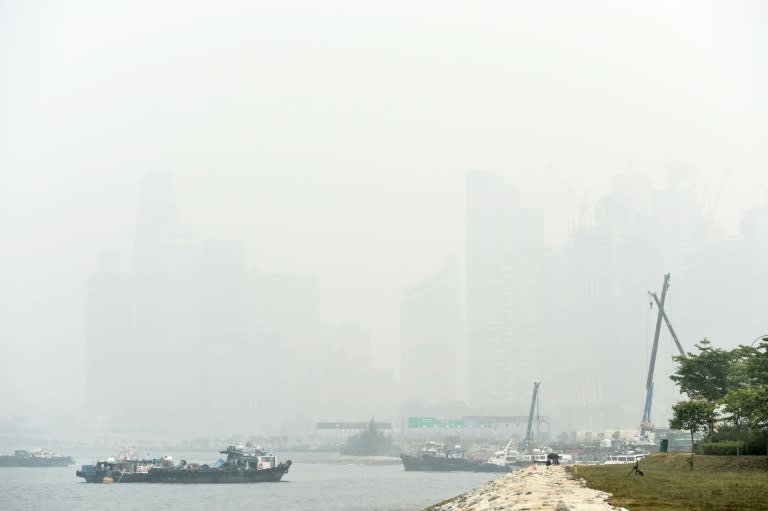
533, 488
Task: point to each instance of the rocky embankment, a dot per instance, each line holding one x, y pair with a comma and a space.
533, 488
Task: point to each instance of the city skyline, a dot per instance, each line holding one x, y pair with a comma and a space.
263, 316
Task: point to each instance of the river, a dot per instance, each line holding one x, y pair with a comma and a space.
314, 482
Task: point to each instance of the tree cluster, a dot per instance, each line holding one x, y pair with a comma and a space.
726, 389
370, 442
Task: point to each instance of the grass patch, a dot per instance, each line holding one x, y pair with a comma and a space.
716, 483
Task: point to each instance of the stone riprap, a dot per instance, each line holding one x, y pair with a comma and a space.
532, 488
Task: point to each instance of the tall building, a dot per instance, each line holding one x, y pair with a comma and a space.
224, 335
430, 330
156, 224
505, 263
110, 337
167, 292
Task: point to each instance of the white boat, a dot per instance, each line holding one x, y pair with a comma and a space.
541, 456
504, 458
535, 456
509, 457
624, 458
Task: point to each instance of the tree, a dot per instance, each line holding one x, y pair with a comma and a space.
752, 405
370, 442
709, 375
734, 406
694, 415
757, 363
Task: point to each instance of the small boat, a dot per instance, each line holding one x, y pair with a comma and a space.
624, 458
507, 457
37, 458
535, 456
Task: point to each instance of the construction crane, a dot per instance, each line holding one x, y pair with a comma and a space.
527, 443
669, 325
645, 424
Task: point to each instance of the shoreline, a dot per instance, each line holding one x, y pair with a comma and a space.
533, 488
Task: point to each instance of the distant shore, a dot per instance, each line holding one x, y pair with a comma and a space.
363, 460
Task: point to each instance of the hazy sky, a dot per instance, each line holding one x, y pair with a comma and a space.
334, 137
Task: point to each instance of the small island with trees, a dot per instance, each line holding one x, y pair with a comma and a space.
370, 442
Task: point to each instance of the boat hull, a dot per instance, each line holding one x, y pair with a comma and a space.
184, 476
113, 477
22, 461
436, 464
218, 476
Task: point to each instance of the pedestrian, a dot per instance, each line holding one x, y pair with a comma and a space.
549, 462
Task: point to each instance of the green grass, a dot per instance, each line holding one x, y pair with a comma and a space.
716, 483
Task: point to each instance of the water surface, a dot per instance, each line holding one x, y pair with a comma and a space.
314, 482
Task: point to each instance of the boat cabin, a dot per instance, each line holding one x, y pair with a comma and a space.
249, 458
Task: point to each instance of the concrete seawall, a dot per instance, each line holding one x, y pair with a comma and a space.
533, 488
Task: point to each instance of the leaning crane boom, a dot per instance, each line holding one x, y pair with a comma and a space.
646, 425
528, 441
669, 325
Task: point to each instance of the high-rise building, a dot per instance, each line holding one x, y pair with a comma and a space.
156, 224
167, 278
505, 262
224, 335
110, 337
430, 330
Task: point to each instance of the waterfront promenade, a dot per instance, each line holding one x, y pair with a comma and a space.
530, 489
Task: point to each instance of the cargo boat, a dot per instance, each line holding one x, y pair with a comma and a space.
243, 465
38, 458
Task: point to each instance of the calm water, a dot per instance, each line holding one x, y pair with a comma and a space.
313, 483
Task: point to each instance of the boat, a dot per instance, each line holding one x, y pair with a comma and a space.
542, 455
37, 458
527, 454
434, 456
125, 470
244, 464
624, 458
505, 458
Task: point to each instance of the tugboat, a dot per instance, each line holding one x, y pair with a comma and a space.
435, 457
37, 458
244, 464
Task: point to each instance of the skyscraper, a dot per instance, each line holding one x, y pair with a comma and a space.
504, 298
168, 289
430, 329
224, 333
110, 336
